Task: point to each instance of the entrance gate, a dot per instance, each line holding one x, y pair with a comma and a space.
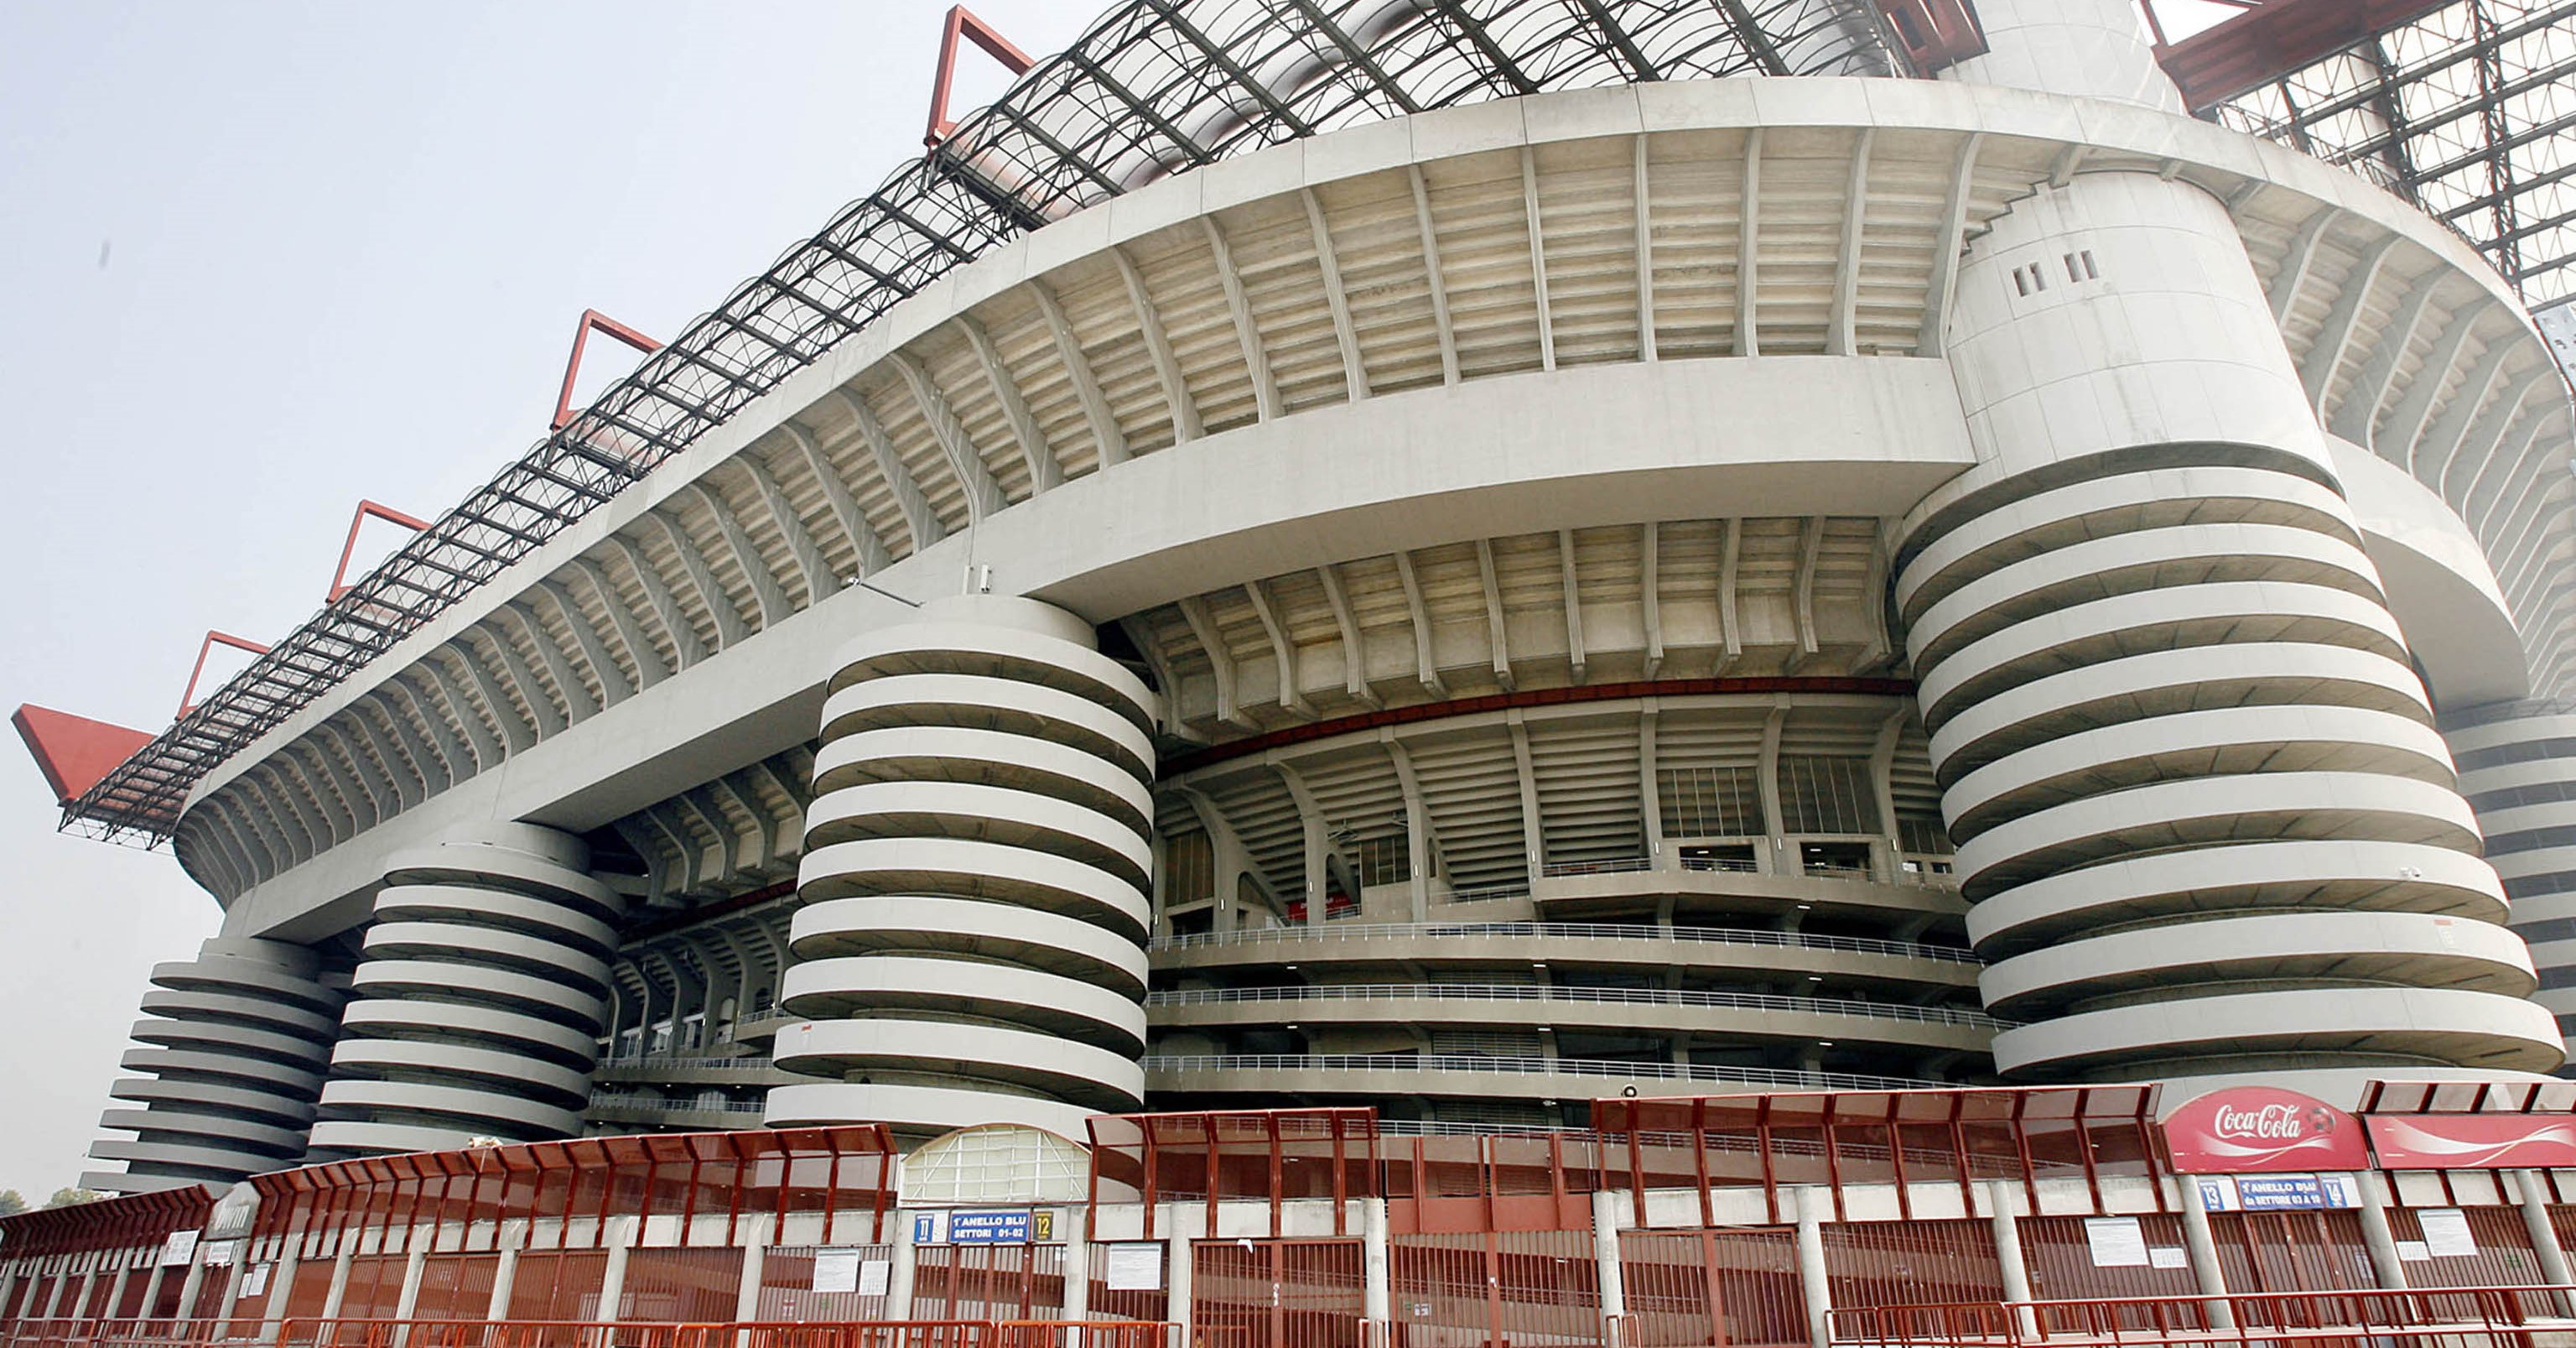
1732, 1285
1249, 1293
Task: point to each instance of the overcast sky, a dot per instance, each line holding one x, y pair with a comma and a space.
258, 261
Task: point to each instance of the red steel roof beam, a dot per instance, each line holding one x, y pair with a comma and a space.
2272, 40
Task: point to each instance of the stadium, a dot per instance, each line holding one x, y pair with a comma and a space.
1682, 659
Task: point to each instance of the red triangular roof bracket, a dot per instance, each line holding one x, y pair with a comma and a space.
982, 34
590, 319
188, 699
340, 577
74, 752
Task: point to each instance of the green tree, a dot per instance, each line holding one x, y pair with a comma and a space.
64, 1198
12, 1202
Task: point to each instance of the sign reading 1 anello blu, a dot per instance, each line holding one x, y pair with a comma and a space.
985, 1226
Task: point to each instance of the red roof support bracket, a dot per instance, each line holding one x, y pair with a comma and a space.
1936, 34
2271, 40
591, 318
74, 752
982, 35
188, 699
389, 515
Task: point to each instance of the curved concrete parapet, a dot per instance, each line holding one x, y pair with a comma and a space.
2199, 800
236, 1042
2517, 765
975, 878
479, 1006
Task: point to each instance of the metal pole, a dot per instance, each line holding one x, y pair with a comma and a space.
2203, 1247
1377, 1287
1605, 1254
1813, 1204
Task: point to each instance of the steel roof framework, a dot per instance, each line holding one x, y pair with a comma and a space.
1154, 88
2469, 111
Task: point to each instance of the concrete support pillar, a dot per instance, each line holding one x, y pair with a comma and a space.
623, 1232
189, 1286
899, 1278
80, 1295
415, 1263
2202, 1247
2384, 1264
115, 1292
281, 1292
505, 1277
54, 1295
152, 1290
1813, 1204
339, 1277
2531, 1192
1077, 1266
1177, 1308
755, 1261
1605, 1255
2003, 1204
1377, 1284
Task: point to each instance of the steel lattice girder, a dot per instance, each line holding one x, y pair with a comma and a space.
1155, 87
2467, 110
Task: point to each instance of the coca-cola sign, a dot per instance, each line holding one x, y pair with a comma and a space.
2253, 1129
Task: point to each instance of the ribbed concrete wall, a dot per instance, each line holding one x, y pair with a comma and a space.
975, 878
2197, 792
480, 1003
2518, 769
235, 1043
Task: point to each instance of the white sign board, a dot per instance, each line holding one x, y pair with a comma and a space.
2116, 1242
1136, 1266
836, 1270
874, 1275
2446, 1232
178, 1249
219, 1253
2412, 1252
255, 1282
2167, 1256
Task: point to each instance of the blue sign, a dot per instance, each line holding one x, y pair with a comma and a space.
2276, 1193
997, 1226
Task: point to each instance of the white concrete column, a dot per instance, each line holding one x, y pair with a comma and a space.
505, 1277
152, 1289
2004, 1201
340, 1275
1077, 1267
2202, 1247
1813, 1203
899, 1278
1605, 1254
115, 1292
281, 1290
1377, 1283
1176, 1263
89, 1279
755, 1261
623, 1232
2531, 1193
2384, 1263
62, 1285
415, 1263
189, 1286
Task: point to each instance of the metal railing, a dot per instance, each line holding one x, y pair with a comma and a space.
2464, 1317
1524, 1066
690, 1062
1613, 866
599, 1100
1730, 865
1530, 992
1603, 931
727, 1334
1509, 889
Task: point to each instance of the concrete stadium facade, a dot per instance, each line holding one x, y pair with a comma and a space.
1816, 581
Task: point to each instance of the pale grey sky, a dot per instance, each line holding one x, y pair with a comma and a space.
258, 261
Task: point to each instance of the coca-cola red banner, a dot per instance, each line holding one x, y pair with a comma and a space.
2254, 1129
2473, 1141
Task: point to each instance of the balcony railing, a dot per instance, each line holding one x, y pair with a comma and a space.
652, 1104
1605, 931
729, 1064
1477, 1062
1526, 992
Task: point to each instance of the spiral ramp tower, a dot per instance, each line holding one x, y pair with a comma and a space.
975, 878
2517, 766
478, 1009
236, 1042
2200, 803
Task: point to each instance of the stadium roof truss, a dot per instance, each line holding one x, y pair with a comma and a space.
2462, 108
